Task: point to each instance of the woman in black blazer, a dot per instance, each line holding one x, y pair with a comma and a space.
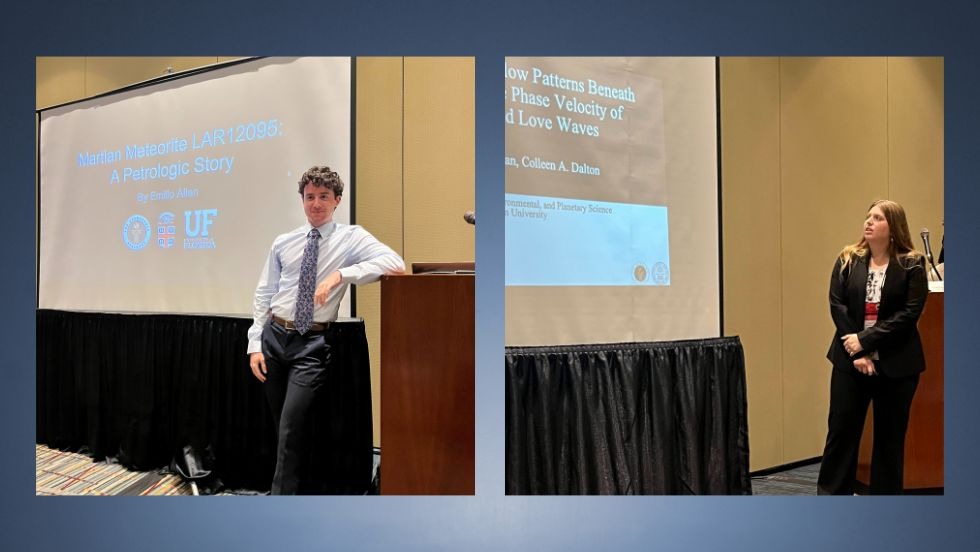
877, 291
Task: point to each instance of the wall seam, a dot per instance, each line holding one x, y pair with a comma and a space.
404, 251
888, 135
779, 237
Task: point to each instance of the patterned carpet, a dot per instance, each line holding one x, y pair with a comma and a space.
68, 473
797, 481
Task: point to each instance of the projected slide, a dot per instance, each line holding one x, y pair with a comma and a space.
585, 172
611, 211
167, 198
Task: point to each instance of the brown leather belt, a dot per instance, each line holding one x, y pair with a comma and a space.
288, 324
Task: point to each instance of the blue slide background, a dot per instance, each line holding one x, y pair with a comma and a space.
489, 30
571, 248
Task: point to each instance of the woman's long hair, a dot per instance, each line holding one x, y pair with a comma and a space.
899, 246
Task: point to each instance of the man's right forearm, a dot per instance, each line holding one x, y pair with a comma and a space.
255, 331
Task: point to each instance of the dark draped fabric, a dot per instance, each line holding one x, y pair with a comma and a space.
628, 418
138, 388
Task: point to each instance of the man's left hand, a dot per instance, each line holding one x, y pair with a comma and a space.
325, 287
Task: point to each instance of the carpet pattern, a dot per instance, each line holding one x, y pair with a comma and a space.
67, 473
797, 481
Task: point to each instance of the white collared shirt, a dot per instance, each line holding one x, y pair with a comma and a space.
360, 258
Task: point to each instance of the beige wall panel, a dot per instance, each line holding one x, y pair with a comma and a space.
751, 242
109, 73
59, 80
439, 159
378, 202
915, 143
834, 152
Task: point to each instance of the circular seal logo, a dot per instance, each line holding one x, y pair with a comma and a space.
639, 273
661, 274
136, 232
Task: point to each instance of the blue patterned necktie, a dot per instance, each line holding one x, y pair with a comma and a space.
307, 283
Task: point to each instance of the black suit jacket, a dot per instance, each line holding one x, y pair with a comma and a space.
895, 336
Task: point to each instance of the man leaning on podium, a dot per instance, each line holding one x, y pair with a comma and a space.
291, 340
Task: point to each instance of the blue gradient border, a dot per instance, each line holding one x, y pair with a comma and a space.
488, 30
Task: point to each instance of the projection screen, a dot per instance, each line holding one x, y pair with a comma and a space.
611, 210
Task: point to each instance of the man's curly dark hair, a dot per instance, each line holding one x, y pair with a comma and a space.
322, 176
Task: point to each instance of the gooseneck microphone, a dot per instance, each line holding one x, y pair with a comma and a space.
924, 234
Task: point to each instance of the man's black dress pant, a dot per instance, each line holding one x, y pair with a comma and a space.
296, 367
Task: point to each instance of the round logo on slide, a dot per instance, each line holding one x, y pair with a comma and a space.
136, 232
639, 273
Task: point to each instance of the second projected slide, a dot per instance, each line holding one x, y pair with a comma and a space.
586, 201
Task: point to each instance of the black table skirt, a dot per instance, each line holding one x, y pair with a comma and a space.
628, 418
138, 388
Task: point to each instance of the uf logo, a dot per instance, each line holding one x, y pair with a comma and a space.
202, 219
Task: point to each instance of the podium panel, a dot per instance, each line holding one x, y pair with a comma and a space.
427, 384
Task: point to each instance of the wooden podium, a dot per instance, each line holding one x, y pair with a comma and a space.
924, 440
427, 384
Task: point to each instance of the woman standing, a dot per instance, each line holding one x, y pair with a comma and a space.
877, 291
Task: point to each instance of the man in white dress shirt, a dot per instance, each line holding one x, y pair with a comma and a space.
296, 303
